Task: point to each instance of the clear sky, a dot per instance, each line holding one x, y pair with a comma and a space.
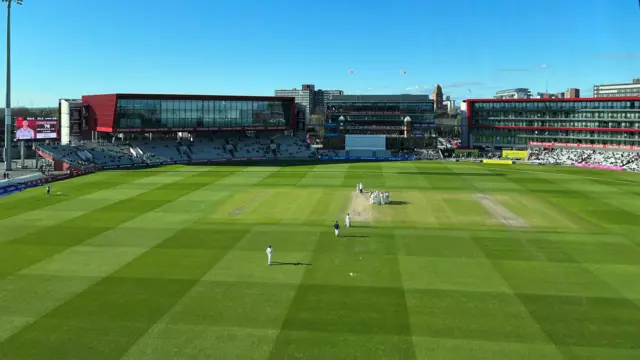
67, 48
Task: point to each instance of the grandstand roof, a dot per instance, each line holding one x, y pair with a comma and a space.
191, 97
630, 98
379, 98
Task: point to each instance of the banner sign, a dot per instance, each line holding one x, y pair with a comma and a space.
599, 166
12, 189
549, 145
214, 128
160, 163
366, 158
514, 154
18, 187
497, 162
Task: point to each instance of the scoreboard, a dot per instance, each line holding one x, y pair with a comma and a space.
36, 128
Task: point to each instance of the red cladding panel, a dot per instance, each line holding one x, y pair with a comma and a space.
102, 111
103, 107
547, 128
630, 98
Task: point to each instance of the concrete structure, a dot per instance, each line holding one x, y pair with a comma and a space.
155, 113
70, 117
516, 122
450, 105
517, 93
308, 98
617, 90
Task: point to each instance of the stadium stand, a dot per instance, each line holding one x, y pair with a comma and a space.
428, 154
623, 159
68, 154
86, 155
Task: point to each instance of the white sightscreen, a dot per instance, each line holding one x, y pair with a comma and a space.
365, 142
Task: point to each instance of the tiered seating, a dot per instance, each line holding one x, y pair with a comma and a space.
112, 154
627, 160
209, 149
334, 153
161, 151
294, 148
428, 154
66, 153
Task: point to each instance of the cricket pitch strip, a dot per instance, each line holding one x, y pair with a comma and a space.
499, 211
359, 208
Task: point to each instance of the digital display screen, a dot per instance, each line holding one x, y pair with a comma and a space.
36, 128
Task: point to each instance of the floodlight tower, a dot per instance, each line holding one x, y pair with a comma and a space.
7, 109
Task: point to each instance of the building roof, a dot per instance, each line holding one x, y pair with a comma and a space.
630, 98
193, 97
380, 98
513, 90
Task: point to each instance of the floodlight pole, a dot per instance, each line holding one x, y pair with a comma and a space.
7, 110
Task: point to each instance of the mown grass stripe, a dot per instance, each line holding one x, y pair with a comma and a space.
37, 246
49, 216
34, 199
117, 310
86, 264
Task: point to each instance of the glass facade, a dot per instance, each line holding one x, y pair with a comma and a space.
159, 114
555, 121
382, 111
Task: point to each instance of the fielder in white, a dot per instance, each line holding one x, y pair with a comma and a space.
347, 220
269, 251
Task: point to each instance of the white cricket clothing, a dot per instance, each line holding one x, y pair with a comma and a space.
337, 231
269, 251
348, 221
23, 134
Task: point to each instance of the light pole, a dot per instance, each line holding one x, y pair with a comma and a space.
7, 110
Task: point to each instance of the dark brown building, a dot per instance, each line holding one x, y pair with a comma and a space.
572, 93
438, 97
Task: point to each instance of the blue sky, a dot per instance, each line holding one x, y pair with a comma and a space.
67, 48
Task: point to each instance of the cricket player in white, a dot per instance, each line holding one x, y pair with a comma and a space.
269, 251
347, 220
25, 133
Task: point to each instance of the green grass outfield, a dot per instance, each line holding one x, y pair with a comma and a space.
170, 263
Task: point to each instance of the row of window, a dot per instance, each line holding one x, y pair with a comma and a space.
149, 118
551, 132
621, 92
135, 123
505, 141
609, 115
552, 123
557, 105
618, 95
409, 108
201, 105
522, 137
417, 118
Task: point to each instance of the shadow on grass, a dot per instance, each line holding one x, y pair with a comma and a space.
397, 203
278, 263
356, 236
435, 173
